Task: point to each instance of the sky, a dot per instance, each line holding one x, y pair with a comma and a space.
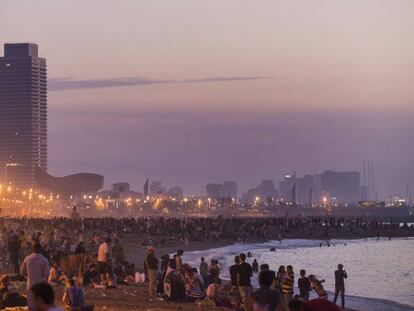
191, 91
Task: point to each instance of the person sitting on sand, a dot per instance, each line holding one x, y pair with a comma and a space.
215, 298
73, 296
317, 286
53, 278
9, 299
193, 285
90, 277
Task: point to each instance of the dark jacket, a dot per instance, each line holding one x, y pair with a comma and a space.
340, 275
151, 263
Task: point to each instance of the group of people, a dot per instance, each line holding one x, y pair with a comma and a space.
175, 280
38, 250
277, 288
158, 229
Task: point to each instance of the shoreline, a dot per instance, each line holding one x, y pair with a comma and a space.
354, 302
137, 254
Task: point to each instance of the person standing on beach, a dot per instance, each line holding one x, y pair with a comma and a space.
304, 285
204, 270
14, 250
288, 283
178, 260
118, 253
255, 266
35, 268
234, 272
318, 287
243, 279
340, 276
281, 272
103, 266
151, 266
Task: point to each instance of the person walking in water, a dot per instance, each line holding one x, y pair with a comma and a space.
340, 276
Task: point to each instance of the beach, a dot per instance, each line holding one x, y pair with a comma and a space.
222, 245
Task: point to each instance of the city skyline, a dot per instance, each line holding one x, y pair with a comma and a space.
215, 98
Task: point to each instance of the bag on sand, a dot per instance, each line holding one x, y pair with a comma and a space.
139, 277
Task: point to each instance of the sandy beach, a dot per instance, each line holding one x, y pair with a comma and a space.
130, 298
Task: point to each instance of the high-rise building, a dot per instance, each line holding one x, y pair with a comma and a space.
215, 191
342, 187
23, 114
267, 190
287, 188
230, 189
304, 190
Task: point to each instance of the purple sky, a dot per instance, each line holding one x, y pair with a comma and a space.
190, 92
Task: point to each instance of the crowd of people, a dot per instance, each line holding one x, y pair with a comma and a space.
216, 228
75, 254
179, 281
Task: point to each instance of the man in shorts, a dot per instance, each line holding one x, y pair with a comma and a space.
103, 253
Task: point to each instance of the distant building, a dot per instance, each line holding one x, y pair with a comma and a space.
251, 195
230, 189
176, 192
304, 190
317, 189
287, 187
267, 189
23, 114
342, 187
157, 188
122, 187
215, 191
68, 185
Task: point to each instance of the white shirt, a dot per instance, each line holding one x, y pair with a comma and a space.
102, 251
36, 268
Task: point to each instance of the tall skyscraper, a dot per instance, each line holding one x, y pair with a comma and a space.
23, 114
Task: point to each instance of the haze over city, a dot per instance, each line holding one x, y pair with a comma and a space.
191, 92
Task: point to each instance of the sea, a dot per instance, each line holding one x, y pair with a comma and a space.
380, 271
